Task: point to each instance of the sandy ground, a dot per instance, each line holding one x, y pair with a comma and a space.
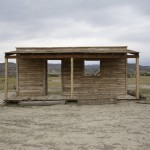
122, 126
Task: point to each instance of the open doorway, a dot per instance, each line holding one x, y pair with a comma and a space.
54, 77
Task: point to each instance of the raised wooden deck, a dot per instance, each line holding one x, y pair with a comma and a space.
37, 98
13, 98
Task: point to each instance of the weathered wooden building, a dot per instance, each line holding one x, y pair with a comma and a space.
109, 84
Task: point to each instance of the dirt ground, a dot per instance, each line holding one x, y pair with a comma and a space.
122, 126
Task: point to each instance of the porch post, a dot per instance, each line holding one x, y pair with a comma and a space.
17, 77
6, 79
126, 88
137, 77
72, 88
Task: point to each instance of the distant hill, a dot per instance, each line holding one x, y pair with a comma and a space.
56, 69
11, 69
143, 69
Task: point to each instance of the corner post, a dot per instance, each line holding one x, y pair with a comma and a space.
137, 76
17, 77
6, 78
126, 88
72, 66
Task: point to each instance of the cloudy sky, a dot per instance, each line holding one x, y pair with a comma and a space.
75, 23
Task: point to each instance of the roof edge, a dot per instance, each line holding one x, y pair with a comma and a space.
75, 47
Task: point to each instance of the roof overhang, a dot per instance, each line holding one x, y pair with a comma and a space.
76, 52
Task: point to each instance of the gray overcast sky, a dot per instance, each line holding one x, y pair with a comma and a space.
75, 23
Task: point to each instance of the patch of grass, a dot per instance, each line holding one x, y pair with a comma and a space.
11, 83
144, 80
144, 86
54, 85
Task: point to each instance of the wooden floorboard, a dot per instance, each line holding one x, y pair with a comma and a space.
126, 97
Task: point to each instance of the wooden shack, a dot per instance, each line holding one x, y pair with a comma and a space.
109, 84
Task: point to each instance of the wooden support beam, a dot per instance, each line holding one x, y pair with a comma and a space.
17, 77
137, 78
62, 76
45, 78
72, 86
6, 79
126, 88
61, 56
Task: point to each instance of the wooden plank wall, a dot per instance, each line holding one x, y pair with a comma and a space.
31, 77
112, 79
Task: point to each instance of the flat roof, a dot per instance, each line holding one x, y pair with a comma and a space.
63, 50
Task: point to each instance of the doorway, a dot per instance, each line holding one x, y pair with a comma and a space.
54, 77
